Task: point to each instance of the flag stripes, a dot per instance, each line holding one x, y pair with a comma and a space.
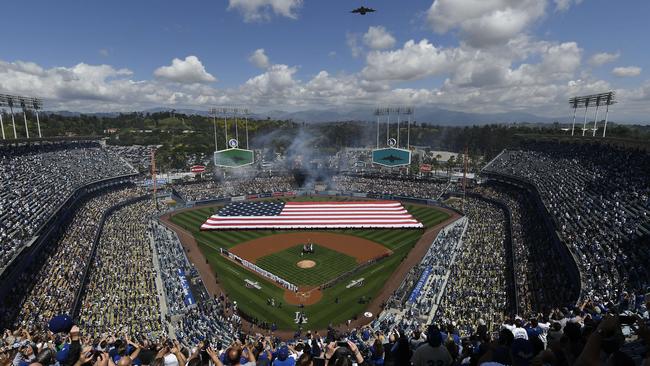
312, 215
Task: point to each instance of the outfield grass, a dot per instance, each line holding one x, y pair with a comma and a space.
329, 265
253, 302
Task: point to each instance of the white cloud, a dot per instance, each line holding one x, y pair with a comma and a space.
261, 10
104, 52
378, 38
190, 70
564, 5
522, 74
351, 39
276, 81
413, 61
603, 58
485, 22
628, 71
259, 59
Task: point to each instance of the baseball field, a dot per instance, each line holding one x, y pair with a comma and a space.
312, 270
280, 252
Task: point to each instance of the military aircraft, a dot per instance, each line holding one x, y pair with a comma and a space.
392, 158
363, 10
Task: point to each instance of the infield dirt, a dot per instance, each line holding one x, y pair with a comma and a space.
362, 250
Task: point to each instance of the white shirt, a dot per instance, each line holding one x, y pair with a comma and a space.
171, 360
544, 327
517, 332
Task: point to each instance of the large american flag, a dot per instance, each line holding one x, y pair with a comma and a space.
311, 215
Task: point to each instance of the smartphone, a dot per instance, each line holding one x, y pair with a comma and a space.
342, 344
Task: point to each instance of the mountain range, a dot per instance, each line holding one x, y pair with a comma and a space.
422, 115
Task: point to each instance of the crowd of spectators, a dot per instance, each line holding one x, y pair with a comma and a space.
235, 187
599, 198
591, 334
121, 294
36, 179
406, 187
540, 277
476, 292
50, 289
139, 156
171, 259
210, 318
412, 305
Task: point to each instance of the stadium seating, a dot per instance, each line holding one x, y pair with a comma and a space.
133, 300
599, 198
405, 187
236, 187
50, 287
206, 318
413, 305
35, 180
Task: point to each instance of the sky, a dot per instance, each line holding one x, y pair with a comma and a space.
481, 56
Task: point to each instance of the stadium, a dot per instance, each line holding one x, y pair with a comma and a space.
311, 217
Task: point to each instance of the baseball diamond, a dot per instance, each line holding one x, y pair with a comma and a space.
351, 247
328, 264
334, 254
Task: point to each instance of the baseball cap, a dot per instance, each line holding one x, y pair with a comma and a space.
283, 353
62, 355
60, 324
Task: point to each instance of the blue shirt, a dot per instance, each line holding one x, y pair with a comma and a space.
290, 361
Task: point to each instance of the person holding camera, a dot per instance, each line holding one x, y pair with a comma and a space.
171, 354
343, 353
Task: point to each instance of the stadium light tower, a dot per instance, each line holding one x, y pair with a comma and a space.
36, 103
587, 101
608, 101
596, 117
26, 103
584, 124
10, 102
22, 105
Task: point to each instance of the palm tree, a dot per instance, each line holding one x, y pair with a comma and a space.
450, 164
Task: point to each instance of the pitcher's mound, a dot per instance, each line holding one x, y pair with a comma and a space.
306, 264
